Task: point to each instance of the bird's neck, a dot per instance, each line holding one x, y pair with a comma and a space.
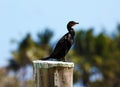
71, 30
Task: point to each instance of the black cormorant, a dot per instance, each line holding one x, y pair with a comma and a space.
64, 44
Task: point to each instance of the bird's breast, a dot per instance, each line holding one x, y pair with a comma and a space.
70, 38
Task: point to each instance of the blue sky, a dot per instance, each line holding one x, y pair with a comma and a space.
18, 17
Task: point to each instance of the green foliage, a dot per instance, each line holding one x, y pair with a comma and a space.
29, 50
99, 51
45, 37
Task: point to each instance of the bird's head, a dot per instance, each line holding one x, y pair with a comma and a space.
72, 23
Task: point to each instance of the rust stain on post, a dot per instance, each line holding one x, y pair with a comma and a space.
53, 74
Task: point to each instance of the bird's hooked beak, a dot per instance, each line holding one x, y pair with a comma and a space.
76, 23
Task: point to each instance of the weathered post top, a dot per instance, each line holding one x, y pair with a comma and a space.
53, 73
50, 64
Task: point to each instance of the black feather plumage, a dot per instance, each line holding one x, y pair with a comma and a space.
64, 44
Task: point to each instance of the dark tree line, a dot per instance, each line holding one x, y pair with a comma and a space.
100, 53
